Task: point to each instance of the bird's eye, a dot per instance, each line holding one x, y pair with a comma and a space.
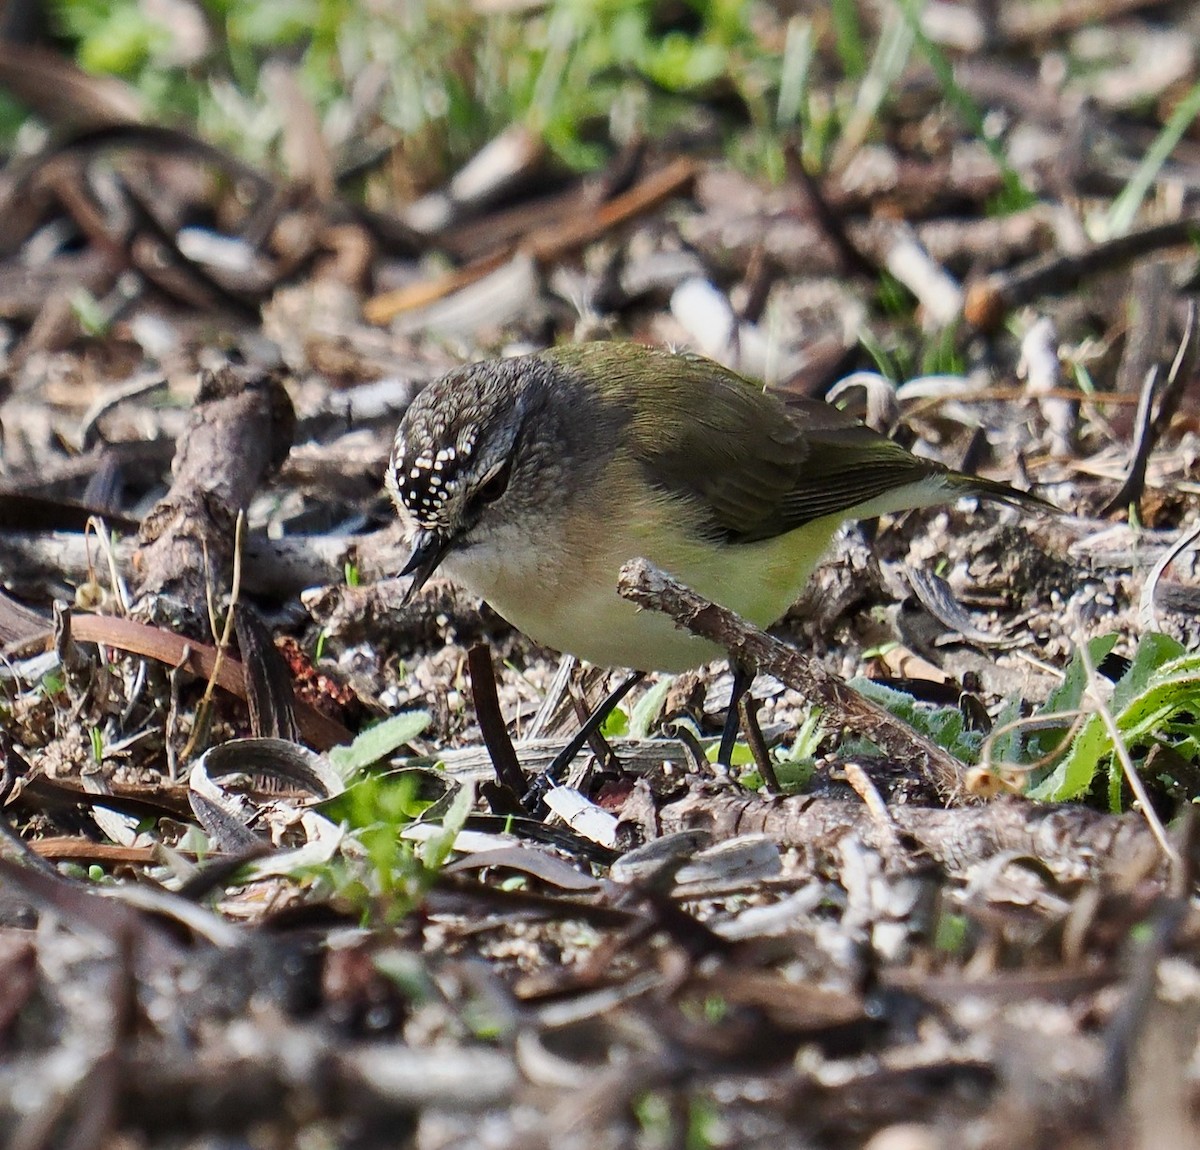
494, 487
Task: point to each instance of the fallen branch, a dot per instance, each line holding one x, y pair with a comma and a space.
647, 586
991, 300
1069, 839
240, 430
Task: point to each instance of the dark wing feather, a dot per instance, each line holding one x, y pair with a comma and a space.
847, 465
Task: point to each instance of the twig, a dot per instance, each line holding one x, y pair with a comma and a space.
171, 723
540, 725
223, 640
854, 261
545, 246
1130, 490
596, 743
644, 584
1070, 839
1147, 620
270, 695
866, 790
199, 659
987, 779
1151, 421
1020, 24
1040, 368
989, 301
672, 179
96, 525
938, 293
532, 799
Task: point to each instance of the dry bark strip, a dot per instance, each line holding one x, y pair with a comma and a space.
200, 659
991, 299
311, 565
240, 431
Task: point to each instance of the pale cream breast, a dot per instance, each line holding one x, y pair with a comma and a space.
558, 583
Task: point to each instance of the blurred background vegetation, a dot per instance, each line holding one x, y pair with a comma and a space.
443, 77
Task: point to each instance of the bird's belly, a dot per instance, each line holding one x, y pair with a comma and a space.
574, 606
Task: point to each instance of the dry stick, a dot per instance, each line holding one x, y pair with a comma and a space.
989, 301
647, 586
540, 725
223, 638
239, 431
1070, 839
1130, 491
1151, 422
866, 790
198, 659
270, 693
1147, 619
545, 245
672, 179
1020, 24
153, 252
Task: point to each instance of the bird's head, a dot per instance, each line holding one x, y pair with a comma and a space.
484, 454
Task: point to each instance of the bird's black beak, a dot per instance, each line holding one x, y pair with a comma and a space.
429, 549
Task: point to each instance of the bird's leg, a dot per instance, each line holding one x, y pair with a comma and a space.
741, 684
558, 767
748, 707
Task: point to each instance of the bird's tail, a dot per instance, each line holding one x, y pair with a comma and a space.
968, 485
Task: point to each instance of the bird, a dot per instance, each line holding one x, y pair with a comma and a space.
531, 480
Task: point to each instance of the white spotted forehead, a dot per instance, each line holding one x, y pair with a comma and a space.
432, 436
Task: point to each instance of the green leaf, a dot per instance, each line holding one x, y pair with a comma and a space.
848, 37
1067, 696
89, 313
390, 798
1074, 773
378, 742
951, 933
437, 849
1153, 653
121, 44
649, 707
615, 725
943, 725
1153, 698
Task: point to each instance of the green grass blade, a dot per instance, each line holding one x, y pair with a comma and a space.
1125, 207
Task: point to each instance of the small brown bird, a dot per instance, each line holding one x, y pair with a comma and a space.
531, 480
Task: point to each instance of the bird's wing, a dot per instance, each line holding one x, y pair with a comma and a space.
847, 465
759, 467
